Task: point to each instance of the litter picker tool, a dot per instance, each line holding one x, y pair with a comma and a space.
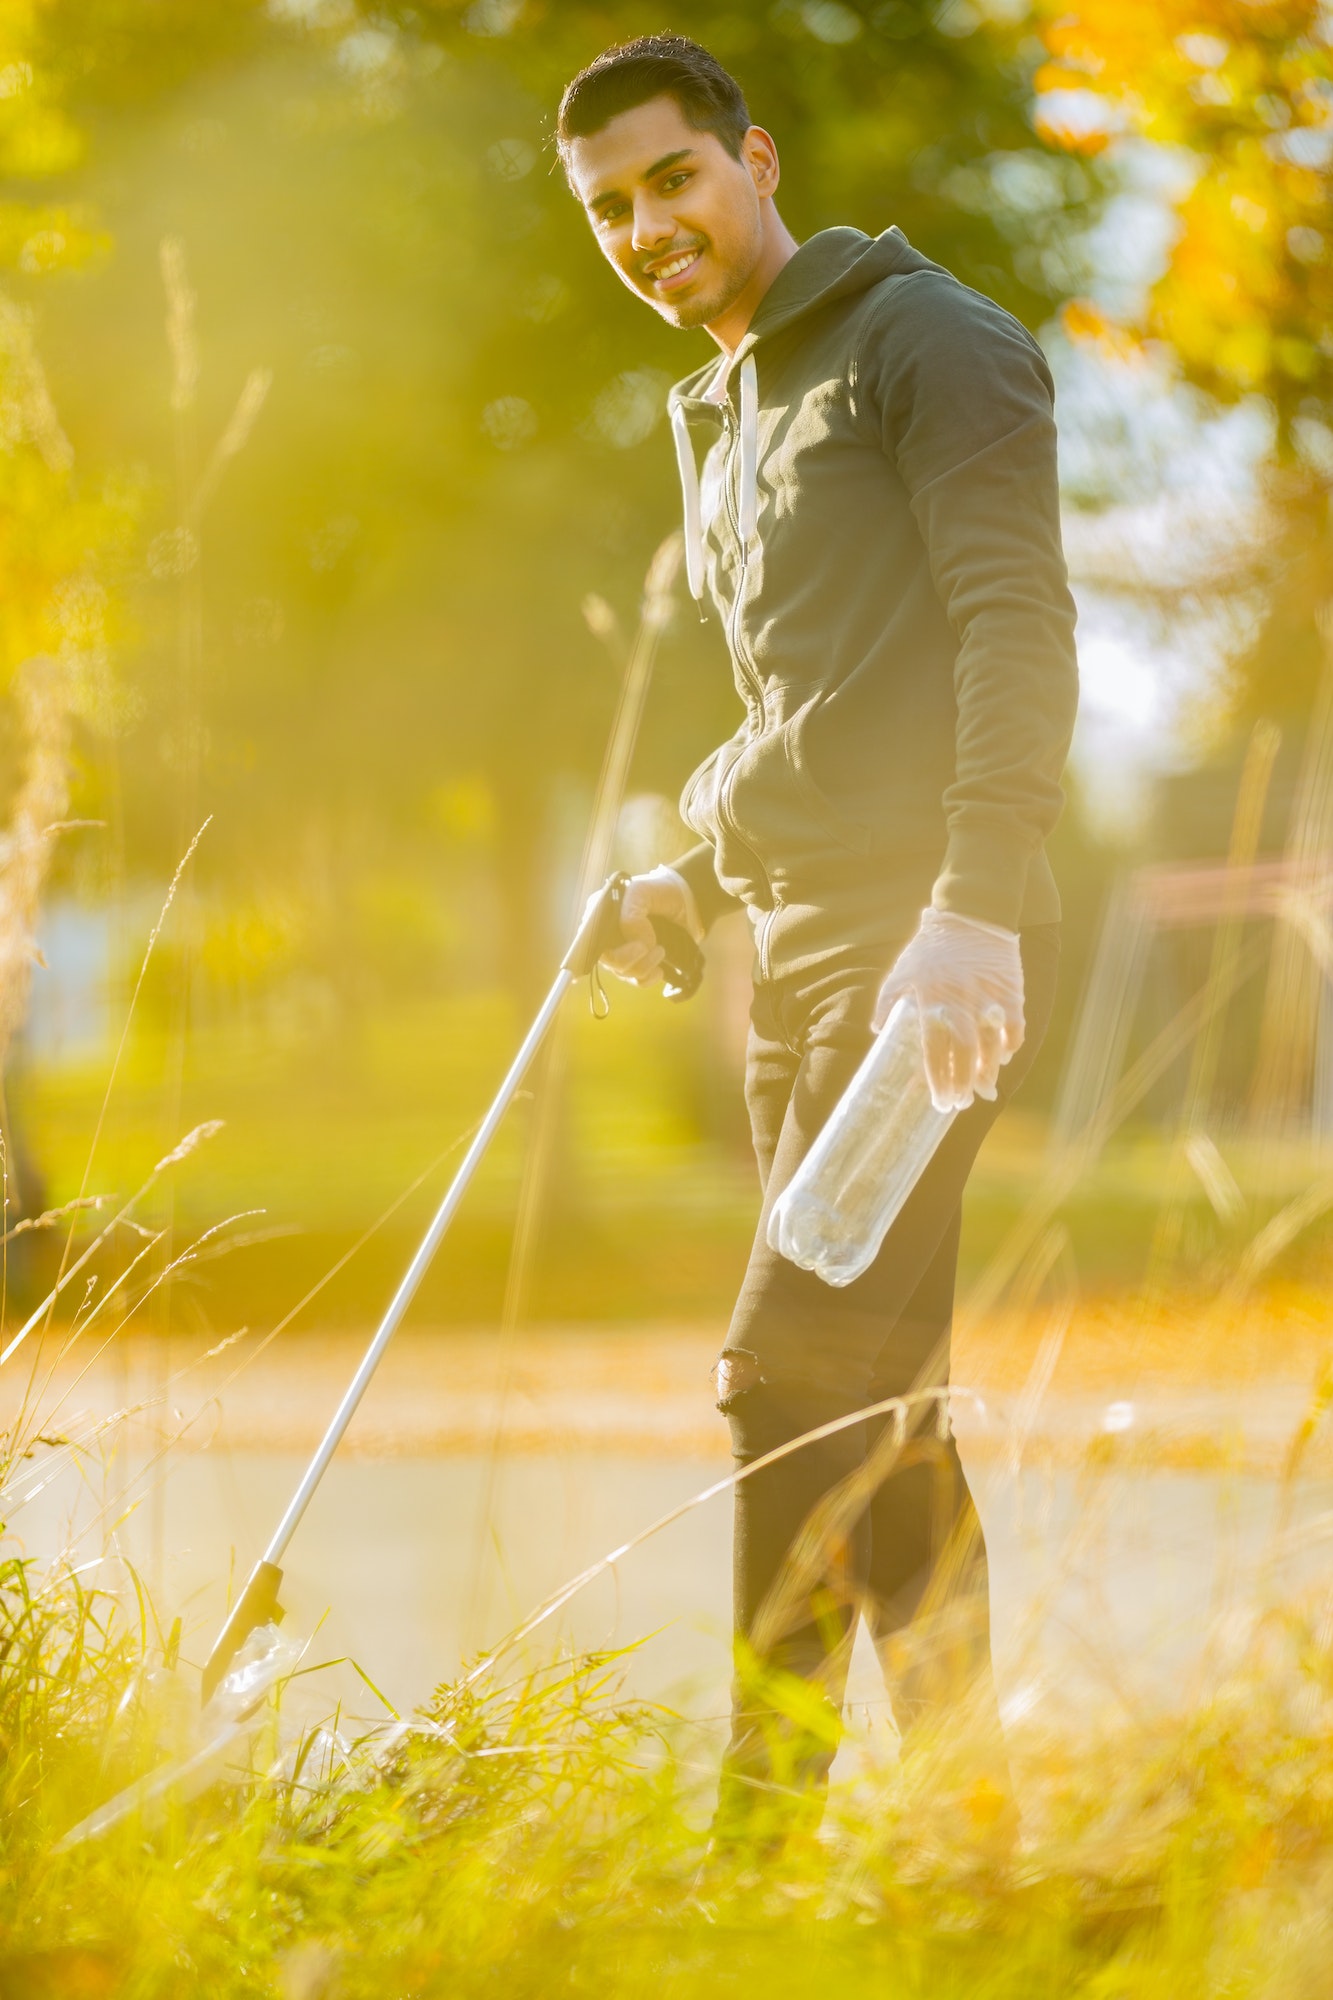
599, 932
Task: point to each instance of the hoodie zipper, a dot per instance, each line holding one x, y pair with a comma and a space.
753, 681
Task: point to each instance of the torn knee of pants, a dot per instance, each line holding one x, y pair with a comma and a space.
735, 1371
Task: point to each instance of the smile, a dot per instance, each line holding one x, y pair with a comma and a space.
666, 277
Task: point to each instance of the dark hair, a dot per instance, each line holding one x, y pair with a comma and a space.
651, 66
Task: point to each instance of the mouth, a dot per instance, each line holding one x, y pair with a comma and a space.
672, 274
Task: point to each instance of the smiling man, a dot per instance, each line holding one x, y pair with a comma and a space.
871, 508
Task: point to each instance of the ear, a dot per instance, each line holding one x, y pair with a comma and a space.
759, 155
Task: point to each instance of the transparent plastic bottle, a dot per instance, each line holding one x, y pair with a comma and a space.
835, 1212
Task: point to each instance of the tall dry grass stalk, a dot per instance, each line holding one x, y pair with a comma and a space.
28, 411
1284, 1071
43, 692
40, 806
1246, 828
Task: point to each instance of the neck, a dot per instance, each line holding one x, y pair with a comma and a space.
778, 247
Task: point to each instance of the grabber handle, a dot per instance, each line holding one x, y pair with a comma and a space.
682, 966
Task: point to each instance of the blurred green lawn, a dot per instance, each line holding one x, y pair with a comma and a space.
651, 1195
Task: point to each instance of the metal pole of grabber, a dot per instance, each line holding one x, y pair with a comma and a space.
598, 932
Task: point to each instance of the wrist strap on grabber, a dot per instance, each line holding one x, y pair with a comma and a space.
682, 966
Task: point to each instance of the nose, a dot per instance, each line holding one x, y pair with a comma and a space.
654, 225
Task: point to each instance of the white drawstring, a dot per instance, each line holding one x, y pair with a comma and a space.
689, 486
689, 474
749, 498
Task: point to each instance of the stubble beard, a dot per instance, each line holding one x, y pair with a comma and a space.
703, 310
694, 313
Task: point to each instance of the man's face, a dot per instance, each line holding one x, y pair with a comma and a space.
674, 213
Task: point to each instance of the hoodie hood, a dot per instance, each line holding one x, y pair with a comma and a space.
835, 264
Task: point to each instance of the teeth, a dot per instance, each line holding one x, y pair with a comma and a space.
677, 265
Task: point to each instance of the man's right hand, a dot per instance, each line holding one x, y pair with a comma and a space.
660, 893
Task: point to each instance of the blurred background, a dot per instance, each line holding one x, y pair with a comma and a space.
333, 461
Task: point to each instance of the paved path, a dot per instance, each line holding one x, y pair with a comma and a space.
1133, 1536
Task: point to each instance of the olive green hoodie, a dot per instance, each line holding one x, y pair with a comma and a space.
871, 505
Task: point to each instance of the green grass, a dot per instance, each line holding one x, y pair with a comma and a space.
544, 1837
651, 1201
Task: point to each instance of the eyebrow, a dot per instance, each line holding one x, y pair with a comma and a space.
649, 174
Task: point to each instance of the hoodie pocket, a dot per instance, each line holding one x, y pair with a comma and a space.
698, 801
850, 833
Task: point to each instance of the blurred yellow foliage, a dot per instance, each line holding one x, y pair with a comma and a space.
55, 533
242, 941
36, 238
55, 536
1083, 320
38, 138
1245, 89
465, 810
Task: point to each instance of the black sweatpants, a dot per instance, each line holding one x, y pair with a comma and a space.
822, 1535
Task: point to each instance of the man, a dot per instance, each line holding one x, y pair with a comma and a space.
870, 504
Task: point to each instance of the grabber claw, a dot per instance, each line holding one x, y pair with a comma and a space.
257, 1605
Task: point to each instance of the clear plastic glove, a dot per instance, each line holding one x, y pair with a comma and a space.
659, 893
967, 979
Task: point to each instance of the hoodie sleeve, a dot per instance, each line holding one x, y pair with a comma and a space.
961, 400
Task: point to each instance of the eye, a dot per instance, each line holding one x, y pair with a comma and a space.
674, 181
613, 213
